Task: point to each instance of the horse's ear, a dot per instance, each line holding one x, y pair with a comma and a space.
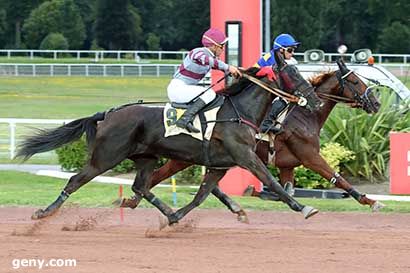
342, 66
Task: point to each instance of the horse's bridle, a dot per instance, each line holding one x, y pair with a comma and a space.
362, 101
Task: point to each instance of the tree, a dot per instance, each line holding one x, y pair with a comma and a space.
303, 19
54, 41
169, 21
117, 25
153, 42
395, 38
17, 12
87, 10
61, 16
3, 27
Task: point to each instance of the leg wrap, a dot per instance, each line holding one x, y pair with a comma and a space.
355, 194
64, 195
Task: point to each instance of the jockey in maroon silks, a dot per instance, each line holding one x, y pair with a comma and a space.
183, 87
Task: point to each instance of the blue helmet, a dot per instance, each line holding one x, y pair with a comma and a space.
284, 40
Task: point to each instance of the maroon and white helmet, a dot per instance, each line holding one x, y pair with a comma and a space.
213, 36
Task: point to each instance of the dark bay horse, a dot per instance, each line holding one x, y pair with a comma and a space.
137, 132
299, 143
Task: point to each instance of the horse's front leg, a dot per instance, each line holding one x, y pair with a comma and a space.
210, 181
252, 163
231, 204
317, 164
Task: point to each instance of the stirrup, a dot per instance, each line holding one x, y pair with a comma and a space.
273, 128
276, 130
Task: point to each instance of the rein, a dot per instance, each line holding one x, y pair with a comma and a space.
359, 99
238, 119
277, 92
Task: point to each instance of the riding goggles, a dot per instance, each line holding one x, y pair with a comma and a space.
290, 49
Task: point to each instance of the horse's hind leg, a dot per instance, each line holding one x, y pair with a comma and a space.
231, 204
170, 168
210, 181
142, 183
75, 182
98, 164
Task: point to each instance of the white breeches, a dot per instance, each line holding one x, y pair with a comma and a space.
180, 92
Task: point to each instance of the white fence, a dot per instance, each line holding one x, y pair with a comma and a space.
122, 70
97, 55
137, 55
13, 129
7, 69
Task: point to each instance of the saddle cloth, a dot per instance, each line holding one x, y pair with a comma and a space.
171, 115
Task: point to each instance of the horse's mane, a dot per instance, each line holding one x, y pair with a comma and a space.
321, 78
240, 84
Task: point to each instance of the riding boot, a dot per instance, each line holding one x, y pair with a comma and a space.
269, 123
185, 121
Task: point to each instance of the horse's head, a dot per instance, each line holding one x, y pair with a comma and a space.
352, 87
294, 83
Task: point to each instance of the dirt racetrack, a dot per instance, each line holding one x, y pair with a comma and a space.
207, 241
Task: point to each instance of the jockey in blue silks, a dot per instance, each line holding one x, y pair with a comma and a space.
285, 44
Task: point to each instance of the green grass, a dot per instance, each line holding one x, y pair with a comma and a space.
73, 97
68, 98
23, 189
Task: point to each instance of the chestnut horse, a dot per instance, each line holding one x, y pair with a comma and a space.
299, 142
137, 132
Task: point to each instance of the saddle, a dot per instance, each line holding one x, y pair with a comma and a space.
204, 120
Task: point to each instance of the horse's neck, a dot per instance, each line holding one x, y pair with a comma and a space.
252, 103
330, 86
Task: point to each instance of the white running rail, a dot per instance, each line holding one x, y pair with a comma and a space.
10, 139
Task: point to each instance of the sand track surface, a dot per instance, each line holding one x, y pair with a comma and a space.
206, 241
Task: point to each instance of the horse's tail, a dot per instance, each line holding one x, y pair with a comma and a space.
49, 139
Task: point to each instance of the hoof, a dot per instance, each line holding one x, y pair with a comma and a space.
173, 219
38, 214
243, 218
163, 222
377, 206
249, 191
288, 187
126, 202
309, 211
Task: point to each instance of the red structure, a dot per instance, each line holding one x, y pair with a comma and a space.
246, 13
399, 163
242, 22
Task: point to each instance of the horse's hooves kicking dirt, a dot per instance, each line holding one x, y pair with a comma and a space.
163, 222
38, 214
377, 206
309, 211
125, 203
243, 218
